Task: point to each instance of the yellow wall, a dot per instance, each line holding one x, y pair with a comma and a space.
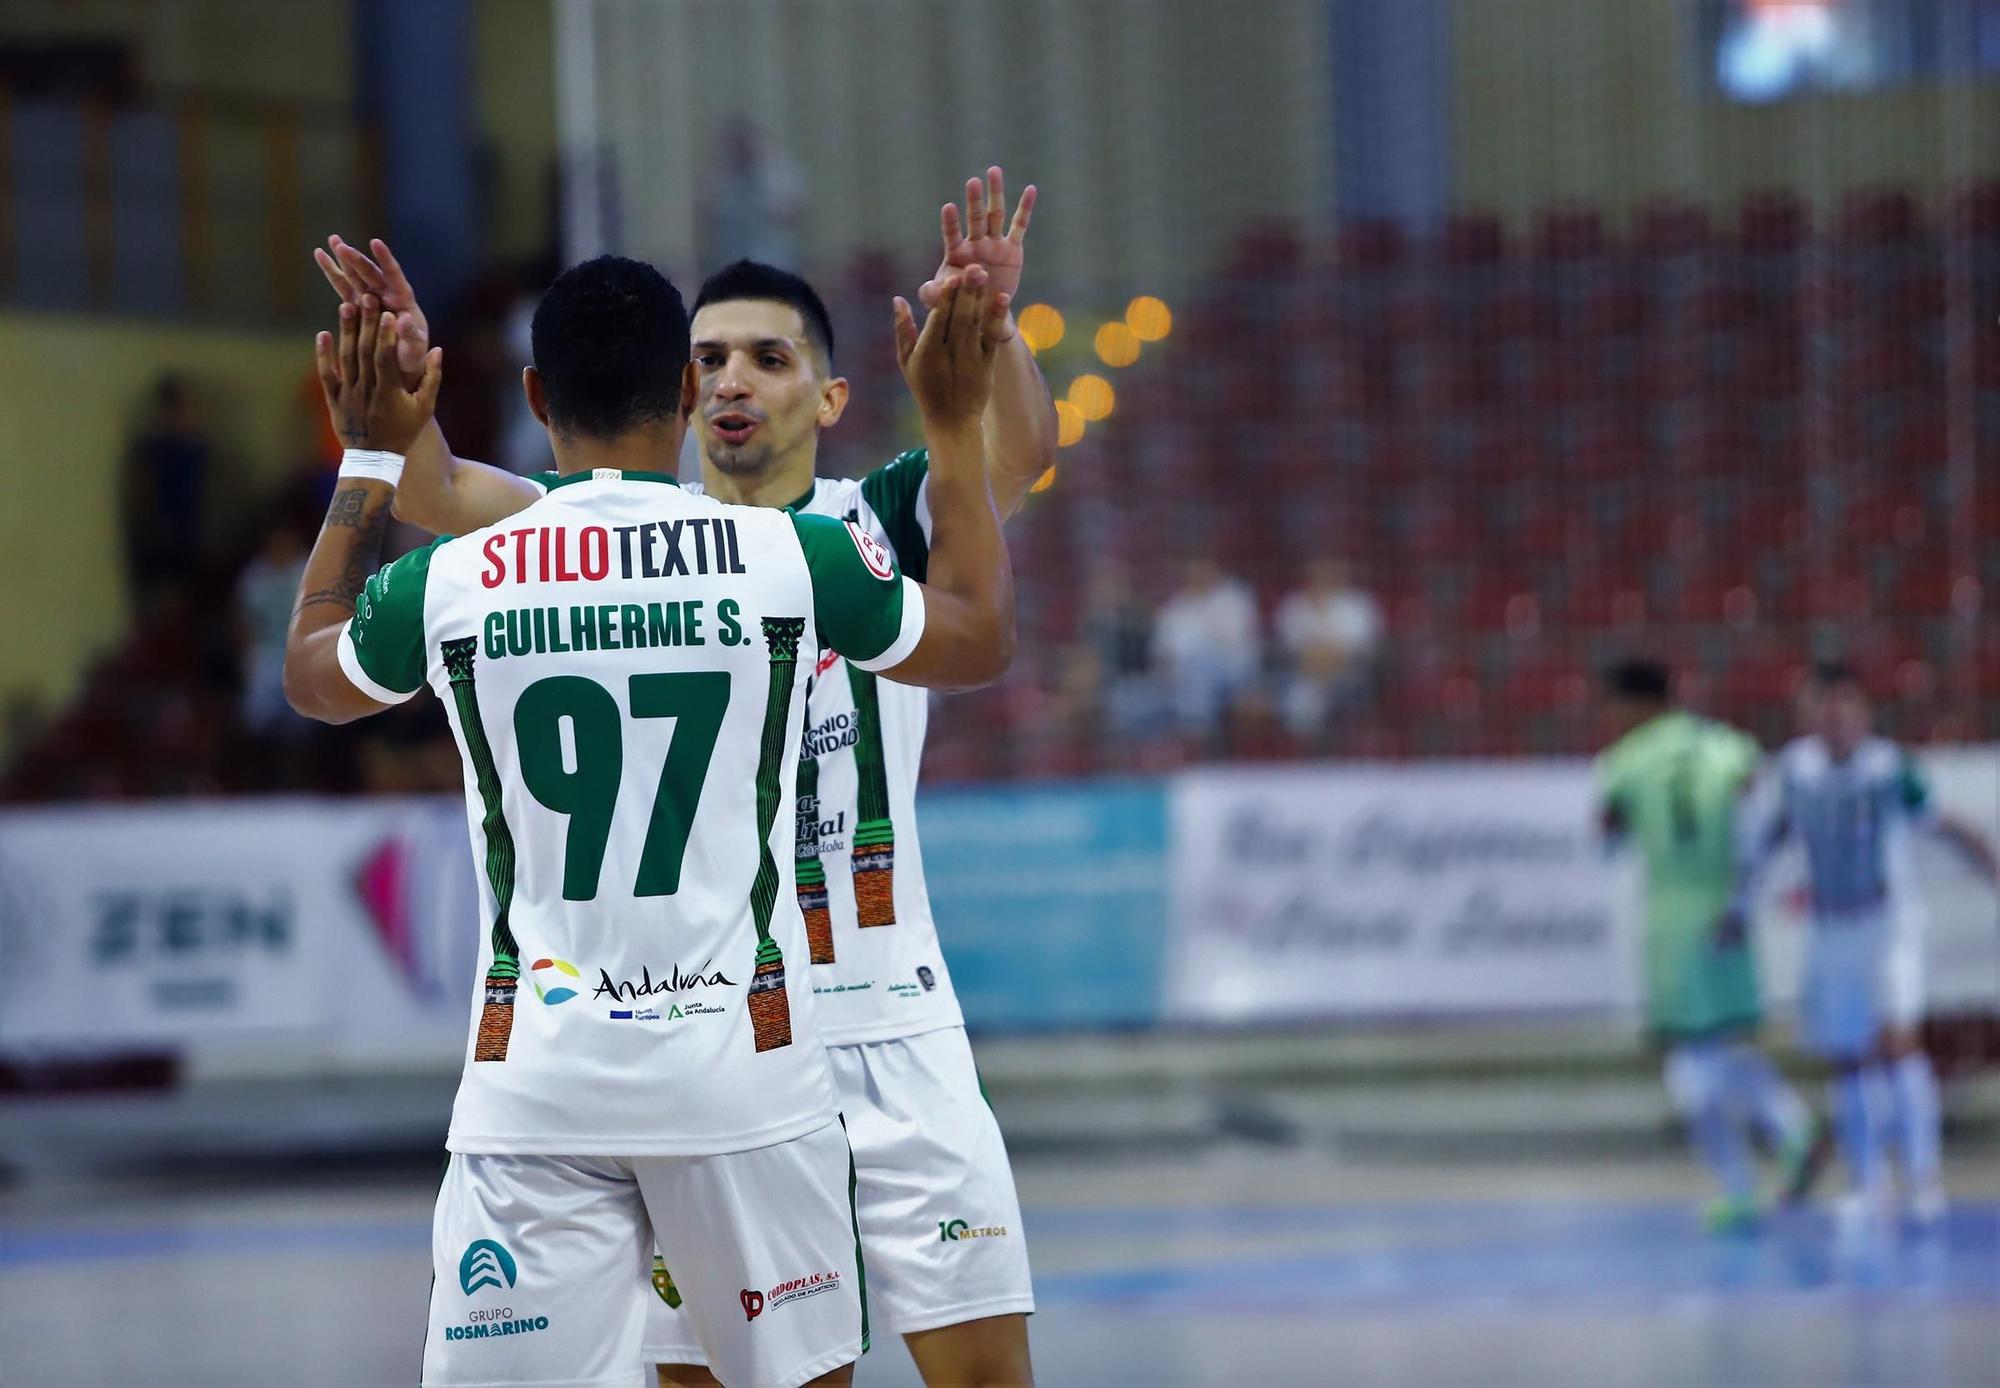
1605, 103
71, 393
284, 50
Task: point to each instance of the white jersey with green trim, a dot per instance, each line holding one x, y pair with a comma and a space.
1854, 818
624, 665
878, 970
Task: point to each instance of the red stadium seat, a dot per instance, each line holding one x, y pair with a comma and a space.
1473, 239
1773, 224
1720, 301
1670, 230
1616, 309
1975, 212
1879, 217
1569, 234
1763, 679
1371, 243
1517, 313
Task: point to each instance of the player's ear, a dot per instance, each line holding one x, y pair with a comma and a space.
690, 389
832, 402
538, 400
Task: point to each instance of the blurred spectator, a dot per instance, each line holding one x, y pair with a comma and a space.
1327, 632
1110, 672
1207, 642
524, 443
752, 200
166, 476
409, 751
264, 597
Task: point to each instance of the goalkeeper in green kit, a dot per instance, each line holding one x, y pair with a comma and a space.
1669, 786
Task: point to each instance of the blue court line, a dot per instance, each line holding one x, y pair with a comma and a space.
1510, 1276
1642, 1255
27, 1248
24, 1246
32, 1245
1645, 1256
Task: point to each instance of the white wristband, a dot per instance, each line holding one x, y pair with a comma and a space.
372, 464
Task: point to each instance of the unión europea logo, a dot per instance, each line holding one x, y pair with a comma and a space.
485, 1264
555, 992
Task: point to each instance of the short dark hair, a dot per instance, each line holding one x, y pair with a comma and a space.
751, 279
1639, 678
610, 344
1835, 674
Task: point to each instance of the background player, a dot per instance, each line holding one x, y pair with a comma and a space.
929, 1154
578, 1129
1852, 799
1670, 784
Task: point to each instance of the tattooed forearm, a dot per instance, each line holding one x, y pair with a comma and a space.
350, 510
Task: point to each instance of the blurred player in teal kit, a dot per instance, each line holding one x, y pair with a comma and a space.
1670, 783
1853, 800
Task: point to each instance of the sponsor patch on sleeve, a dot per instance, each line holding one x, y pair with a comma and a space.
873, 552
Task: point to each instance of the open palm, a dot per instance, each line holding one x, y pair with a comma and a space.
983, 237
353, 274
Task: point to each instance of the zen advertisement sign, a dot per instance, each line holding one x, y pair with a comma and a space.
351, 925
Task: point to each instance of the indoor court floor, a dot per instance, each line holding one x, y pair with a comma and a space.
1248, 1266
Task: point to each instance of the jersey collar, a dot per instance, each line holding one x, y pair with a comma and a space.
799, 503
612, 474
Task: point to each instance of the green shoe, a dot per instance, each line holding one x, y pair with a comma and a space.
1801, 1162
1729, 1215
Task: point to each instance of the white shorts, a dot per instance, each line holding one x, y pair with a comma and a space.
540, 1265
1903, 973
940, 1223
1864, 972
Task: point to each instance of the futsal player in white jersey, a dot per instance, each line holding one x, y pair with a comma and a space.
940, 1221
1853, 800
624, 666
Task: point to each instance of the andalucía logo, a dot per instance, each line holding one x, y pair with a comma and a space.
485, 1264
626, 990
556, 992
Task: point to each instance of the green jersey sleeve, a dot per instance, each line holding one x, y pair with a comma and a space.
1611, 779
1741, 758
1913, 792
899, 493
382, 649
863, 607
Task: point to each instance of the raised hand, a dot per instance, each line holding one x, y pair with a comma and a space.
353, 274
367, 396
981, 237
949, 365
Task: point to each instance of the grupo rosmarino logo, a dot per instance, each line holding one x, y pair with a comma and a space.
486, 1264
